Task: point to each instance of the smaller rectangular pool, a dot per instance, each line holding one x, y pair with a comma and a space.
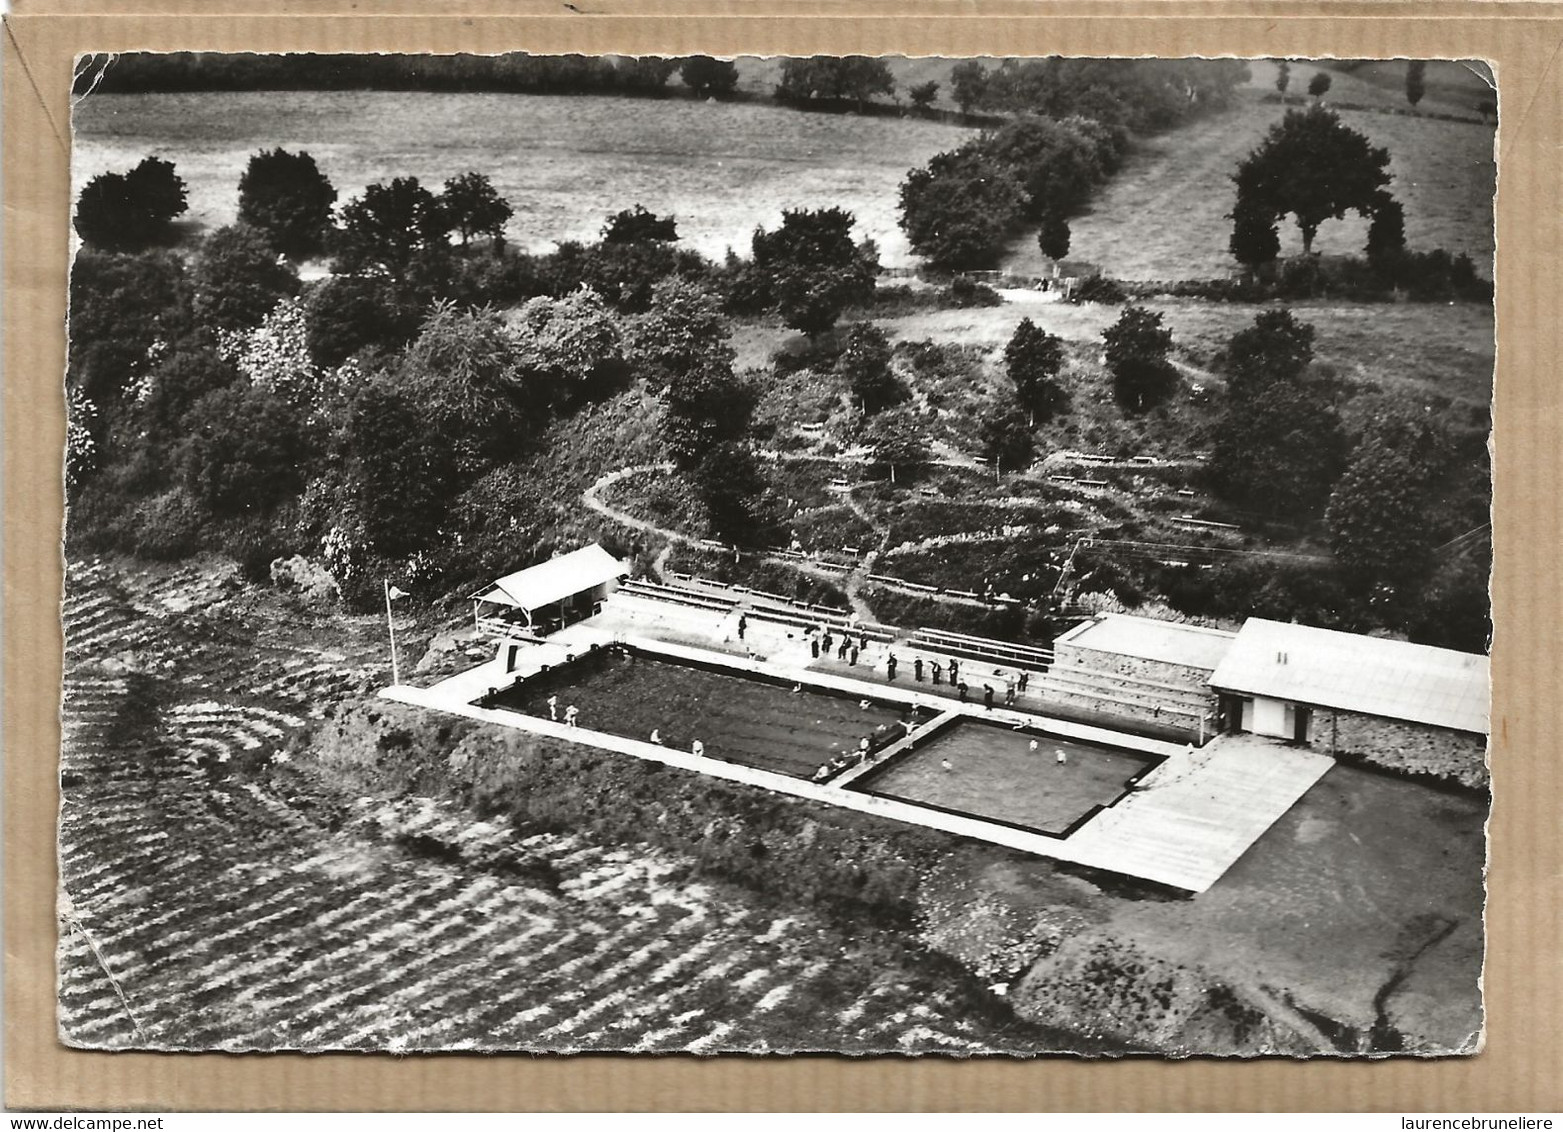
990, 771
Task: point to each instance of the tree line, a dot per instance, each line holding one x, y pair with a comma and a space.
387, 411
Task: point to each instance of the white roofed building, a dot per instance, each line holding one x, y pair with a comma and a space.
542, 598
1395, 704
1411, 706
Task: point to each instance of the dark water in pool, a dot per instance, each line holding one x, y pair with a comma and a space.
740, 719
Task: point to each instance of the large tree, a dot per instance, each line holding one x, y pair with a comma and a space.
243, 450
969, 85
130, 211
1255, 241
1416, 81
237, 279
1378, 512
1275, 348
923, 94
122, 307
1033, 359
465, 373
681, 347
1312, 167
1387, 232
898, 442
349, 313
708, 407
1006, 436
865, 366
404, 473
384, 230
708, 77
1137, 348
1058, 163
1053, 237
958, 210
470, 207
811, 269
681, 332
570, 348
286, 196
852, 77
1279, 444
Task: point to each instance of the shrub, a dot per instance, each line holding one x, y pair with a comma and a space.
1098, 289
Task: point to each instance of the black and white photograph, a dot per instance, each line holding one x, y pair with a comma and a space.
768, 555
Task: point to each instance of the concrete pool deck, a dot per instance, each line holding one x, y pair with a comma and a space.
1188, 821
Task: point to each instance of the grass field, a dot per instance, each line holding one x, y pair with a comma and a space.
1423, 347
739, 720
1452, 87
993, 773
564, 163
1164, 216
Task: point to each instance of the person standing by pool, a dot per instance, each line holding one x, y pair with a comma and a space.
890, 664
917, 670
553, 708
841, 649
987, 697
814, 645
569, 715
862, 639
743, 626
938, 671
862, 750
825, 641
852, 656
1025, 678
955, 672
961, 688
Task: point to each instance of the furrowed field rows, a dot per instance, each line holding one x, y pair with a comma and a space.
210, 901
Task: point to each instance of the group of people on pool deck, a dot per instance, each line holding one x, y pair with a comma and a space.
1014, 683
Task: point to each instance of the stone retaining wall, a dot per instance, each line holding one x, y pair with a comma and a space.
1413, 748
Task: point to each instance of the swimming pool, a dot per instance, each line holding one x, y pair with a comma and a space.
748, 718
989, 771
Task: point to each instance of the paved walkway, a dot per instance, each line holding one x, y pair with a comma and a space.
1185, 825
1195, 815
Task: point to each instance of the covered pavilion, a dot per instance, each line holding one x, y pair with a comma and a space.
544, 598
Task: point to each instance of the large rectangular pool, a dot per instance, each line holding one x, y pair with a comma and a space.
745, 718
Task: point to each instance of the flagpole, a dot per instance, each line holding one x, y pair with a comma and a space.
396, 676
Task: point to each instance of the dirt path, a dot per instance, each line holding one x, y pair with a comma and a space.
852, 582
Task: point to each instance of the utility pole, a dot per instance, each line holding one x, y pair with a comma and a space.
392, 592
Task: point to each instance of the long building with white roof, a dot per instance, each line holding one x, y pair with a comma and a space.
1396, 704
